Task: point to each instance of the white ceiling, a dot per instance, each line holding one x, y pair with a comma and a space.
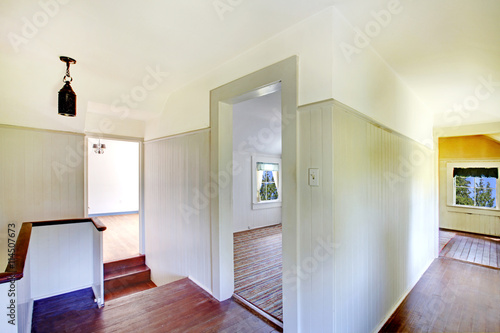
439, 48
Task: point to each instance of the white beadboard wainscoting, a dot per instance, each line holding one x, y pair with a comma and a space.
476, 220
177, 208
244, 217
41, 177
61, 258
368, 232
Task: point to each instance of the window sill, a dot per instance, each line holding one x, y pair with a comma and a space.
265, 205
474, 210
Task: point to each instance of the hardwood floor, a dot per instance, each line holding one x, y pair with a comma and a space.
452, 296
121, 238
478, 249
444, 237
180, 306
258, 262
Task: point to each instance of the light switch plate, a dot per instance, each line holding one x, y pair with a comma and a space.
313, 177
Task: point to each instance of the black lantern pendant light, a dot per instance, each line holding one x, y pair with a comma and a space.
67, 97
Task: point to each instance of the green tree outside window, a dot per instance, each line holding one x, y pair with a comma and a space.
475, 191
268, 190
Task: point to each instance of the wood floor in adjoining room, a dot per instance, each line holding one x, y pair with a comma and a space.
452, 296
121, 237
180, 306
258, 265
478, 249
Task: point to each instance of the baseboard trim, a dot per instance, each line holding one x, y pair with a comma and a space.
470, 232
405, 294
61, 292
29, 319
256, 228
98, 300
116, 213
270, 319
201, 285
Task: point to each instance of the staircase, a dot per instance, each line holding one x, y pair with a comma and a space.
126, 276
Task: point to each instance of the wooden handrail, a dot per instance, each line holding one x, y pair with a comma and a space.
97, 223
15, 266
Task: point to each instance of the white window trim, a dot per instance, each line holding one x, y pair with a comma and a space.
265, 204
450, 198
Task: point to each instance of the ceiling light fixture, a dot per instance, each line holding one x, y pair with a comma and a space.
99, 148
67, 97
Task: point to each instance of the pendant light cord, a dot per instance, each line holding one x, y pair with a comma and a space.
67, 74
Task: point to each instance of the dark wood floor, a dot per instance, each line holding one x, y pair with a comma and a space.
479, 249
452, 296
180, 306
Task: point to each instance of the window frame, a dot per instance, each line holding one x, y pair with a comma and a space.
451, 197
268, 203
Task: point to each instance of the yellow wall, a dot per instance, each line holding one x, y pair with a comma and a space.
466, 149
469, 147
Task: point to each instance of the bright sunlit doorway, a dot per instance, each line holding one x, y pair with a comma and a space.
114, 194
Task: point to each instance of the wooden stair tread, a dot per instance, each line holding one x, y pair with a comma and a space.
126, 276
122, 263
125, 272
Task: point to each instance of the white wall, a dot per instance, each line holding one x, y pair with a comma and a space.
188, 108
61, 259
113, 177
177, 209
106, 124
41, 178
368, 232
366, 83
24, 299
255, 132
5, 327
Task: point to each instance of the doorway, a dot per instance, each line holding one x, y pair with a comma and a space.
114, 194
222, 100
257, 202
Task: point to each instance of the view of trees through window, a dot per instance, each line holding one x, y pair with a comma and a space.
268, 190
475, 191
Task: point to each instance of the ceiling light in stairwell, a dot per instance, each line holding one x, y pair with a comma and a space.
67, 97
99, 147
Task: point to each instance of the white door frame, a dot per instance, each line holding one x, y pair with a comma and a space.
141, 178
221, 157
